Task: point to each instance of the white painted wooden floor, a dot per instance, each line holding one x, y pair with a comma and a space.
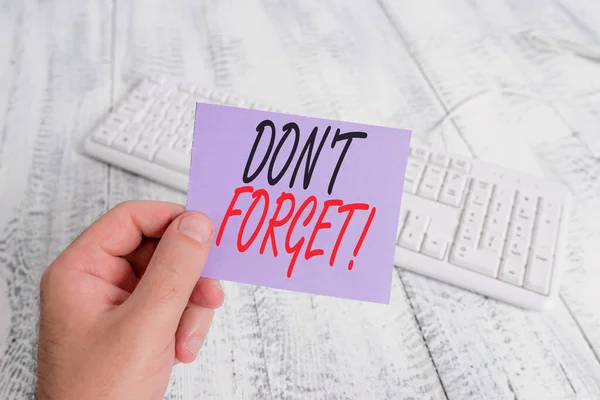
535, 107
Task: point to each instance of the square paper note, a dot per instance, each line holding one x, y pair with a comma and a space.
299, 203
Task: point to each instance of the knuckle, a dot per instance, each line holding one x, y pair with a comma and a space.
125, 205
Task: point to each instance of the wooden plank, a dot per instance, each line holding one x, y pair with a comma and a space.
483, 349
327, 59
574, 160
54, 80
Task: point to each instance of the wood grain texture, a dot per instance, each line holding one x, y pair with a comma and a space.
574, 160
396, 63
464, 59
54, 64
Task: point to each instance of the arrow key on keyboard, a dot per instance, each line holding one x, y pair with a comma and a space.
411, 238
418, 221
434, 247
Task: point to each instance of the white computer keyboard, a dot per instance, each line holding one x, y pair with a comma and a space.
481, 227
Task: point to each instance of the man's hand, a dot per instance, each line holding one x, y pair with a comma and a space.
124, 303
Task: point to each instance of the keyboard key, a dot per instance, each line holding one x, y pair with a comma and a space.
451, 196
134, 130
521, 232
517, 250
168, 126
482, 261
497, 222
549, 207
524, 215
473, 215
468, 235
420, 154
418, 221
410, 185
430, 189
116, 122
414, 170
512, 270
545, 231
431, 182
411, 238
434, 247
456, 180
132, 110
145, 150
525, 206
153, 121
104, 135
166, 139
434, 173
478, 199
173, 159
502, 201
183, 145
441, 160
147, 133
186, 125
443, 228
492, 241
481, 186
539, 271
460, 165
123, 143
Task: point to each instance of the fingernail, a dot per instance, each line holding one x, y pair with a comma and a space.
193, 345
196, 226
217, 285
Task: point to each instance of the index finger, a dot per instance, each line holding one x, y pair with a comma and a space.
121, 230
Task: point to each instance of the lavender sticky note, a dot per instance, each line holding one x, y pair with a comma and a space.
299, 203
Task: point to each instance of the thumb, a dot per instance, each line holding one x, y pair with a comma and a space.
167, 284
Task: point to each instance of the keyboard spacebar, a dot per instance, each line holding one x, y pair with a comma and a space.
173, 159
